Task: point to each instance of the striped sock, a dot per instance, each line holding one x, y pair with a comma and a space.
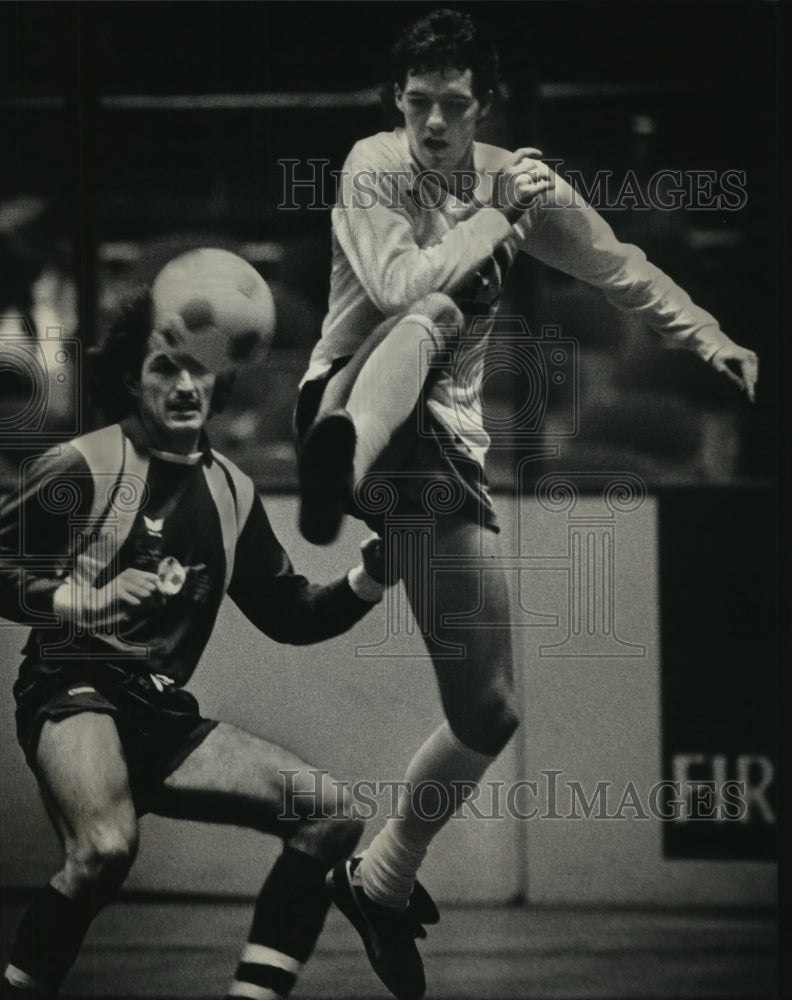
264, 974
48, 939
289, 916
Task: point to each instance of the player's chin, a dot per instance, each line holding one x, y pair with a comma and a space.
441, 159
185, 419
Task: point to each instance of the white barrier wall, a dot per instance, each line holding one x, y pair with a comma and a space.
591, 711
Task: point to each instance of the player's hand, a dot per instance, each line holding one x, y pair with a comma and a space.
131, 589
739, 365
376, 563
89, 607
523, 178
132, 586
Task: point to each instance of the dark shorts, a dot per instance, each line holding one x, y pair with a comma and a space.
158, 729
431, 472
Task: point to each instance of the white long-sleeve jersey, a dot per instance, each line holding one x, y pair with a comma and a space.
397, 237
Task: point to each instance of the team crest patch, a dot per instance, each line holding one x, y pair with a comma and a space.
170, 576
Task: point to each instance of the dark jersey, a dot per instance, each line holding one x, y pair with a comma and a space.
189, 523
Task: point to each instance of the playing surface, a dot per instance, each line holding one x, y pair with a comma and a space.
169, 950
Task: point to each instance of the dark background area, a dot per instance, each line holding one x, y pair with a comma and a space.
123, 184
719, 652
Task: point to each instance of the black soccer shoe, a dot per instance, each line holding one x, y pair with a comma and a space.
422, 908
388, 936
326, 476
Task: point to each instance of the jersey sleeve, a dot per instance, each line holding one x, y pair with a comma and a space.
36, 530
563, 231
373, 228
282, 603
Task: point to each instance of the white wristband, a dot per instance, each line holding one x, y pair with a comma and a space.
62, 600
364, 586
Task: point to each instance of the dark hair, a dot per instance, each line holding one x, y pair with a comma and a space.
443, 39
121, 357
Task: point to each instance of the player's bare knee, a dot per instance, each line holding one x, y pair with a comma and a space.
332, 839
442, 312
339, 831
489, 726
101, 857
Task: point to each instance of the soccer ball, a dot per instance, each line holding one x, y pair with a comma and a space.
214, 306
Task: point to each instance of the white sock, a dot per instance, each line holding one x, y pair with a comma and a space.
447, 771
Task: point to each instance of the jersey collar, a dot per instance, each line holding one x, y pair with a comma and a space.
134, 430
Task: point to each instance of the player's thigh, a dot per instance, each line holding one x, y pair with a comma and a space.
83, 776
340, 386
237, 778
388, 354
467, 610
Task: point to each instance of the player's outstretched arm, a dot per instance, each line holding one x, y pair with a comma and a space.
562, 230
284, 604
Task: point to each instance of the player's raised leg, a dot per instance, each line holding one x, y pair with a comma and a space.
234, 777
83, 778
364, 405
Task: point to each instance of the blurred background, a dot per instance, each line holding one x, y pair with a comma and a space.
133, 131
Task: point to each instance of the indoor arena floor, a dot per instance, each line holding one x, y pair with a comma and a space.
187, 949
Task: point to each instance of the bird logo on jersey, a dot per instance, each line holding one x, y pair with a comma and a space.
154, 525
189, 582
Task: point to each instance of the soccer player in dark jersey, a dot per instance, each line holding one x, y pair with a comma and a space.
120, 546
426, 226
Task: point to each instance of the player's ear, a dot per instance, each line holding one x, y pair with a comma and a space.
485, 106
131, 384
398, 97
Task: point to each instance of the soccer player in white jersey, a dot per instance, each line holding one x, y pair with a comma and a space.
426, 224
102, 713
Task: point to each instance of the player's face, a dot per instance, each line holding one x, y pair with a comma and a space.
174, 397
441, 114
